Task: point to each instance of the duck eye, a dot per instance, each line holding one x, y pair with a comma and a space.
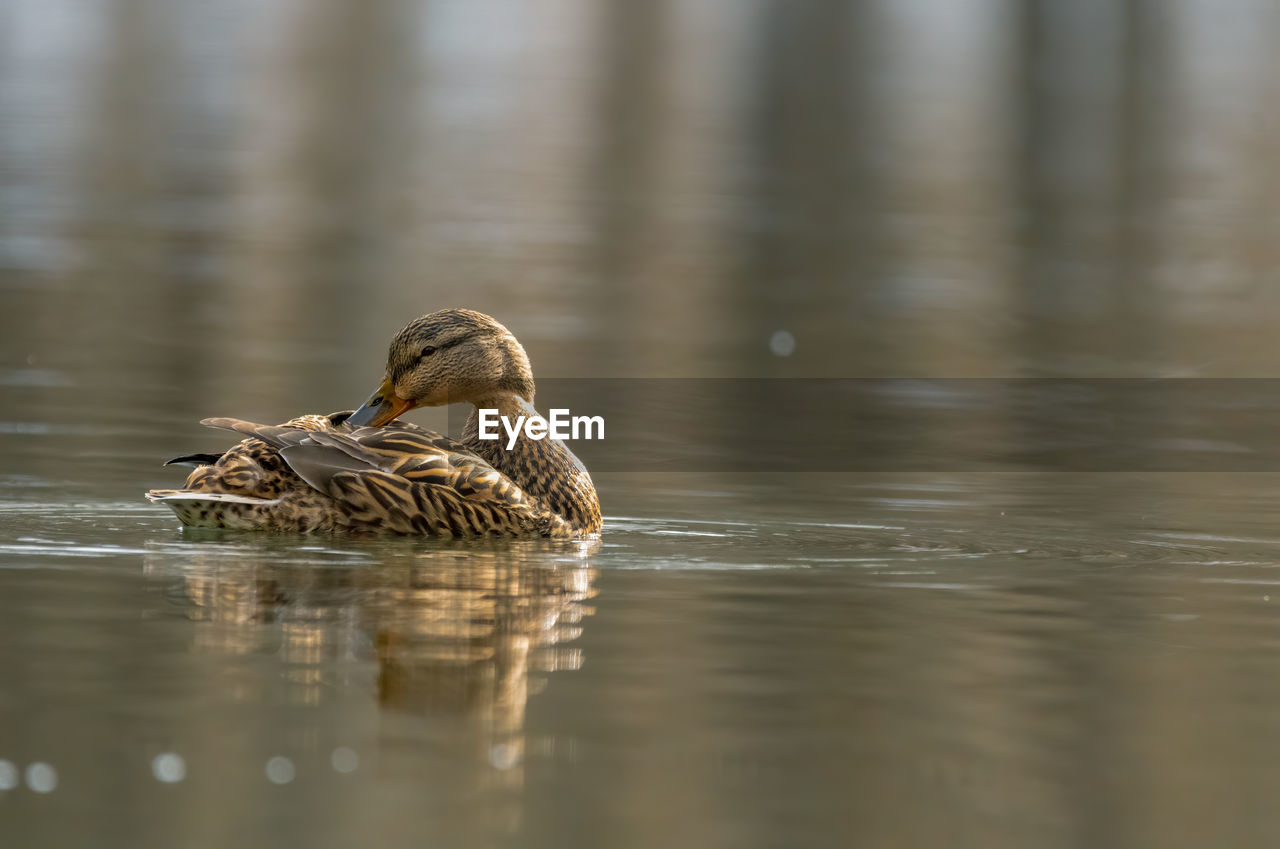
428, 351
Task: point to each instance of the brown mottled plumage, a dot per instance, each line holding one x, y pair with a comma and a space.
369, 470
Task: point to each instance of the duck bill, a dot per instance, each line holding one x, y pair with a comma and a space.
381, 408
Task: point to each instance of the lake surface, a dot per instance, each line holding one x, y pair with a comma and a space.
987, 660
935, 515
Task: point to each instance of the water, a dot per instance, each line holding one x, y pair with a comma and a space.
846, 594
984, 660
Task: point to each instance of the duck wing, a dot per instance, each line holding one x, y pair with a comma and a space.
405, 479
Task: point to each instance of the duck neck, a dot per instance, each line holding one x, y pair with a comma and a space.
544, 468
508, 411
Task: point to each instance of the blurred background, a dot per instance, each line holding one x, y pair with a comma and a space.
228, 209
960, 188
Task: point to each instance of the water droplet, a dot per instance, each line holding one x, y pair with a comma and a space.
280, 770
782, 343
41, 777
8, 775
169, 768
344, 759
504, 755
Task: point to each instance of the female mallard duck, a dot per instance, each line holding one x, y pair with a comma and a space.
368, 470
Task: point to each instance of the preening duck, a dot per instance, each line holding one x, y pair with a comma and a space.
368, 470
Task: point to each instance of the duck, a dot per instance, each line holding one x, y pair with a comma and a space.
368, 470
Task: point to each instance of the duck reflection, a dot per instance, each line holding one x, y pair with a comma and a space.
460, 633
472, 639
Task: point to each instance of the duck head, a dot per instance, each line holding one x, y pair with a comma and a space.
448, 357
